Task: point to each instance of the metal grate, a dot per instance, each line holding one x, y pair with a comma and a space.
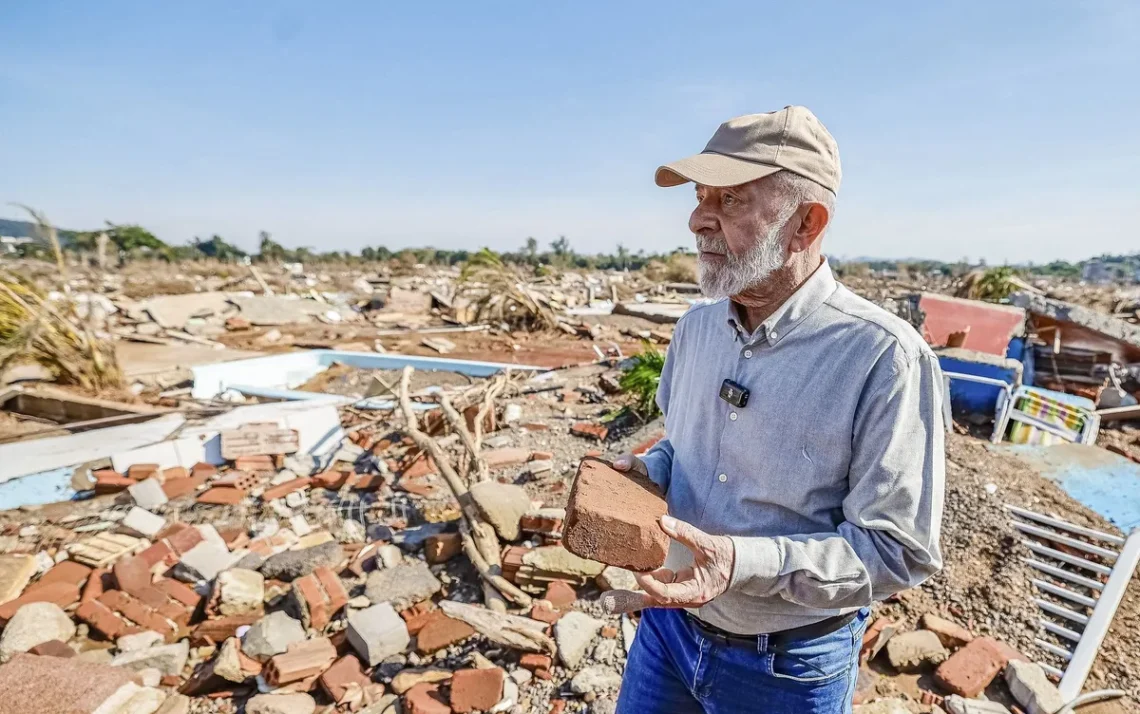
1080, 575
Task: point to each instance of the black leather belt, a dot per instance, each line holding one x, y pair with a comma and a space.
775, 639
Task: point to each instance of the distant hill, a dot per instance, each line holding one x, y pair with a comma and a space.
27, 229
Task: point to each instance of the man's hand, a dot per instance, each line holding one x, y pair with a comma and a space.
629, 462
709, 575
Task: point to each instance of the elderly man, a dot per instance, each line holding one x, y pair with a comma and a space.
803, 464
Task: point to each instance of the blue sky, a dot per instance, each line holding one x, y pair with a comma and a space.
1005, 130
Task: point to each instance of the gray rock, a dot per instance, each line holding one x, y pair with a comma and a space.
604, 706
297, 703
303, 464
271, 635
595, 678
403, 586
502, 504
1032, 688
908, 650
251, 561
389, 555
293, 564
168, 659
33, 624
203, 562
239, 591
138, 641
377, 632
615, 578
148, 494
573, 633
960, 705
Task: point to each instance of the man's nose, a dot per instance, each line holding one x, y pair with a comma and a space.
702, 220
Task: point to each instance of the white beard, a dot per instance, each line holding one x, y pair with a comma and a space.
737, 274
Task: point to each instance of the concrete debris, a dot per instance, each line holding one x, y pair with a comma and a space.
271, 635
402, 585
377, 632
503, 505
573, 634
260, 559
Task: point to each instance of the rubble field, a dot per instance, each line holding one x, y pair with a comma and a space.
393, 542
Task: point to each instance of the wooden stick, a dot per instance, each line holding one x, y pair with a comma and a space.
480, 544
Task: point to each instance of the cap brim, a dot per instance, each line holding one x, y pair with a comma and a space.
712, 170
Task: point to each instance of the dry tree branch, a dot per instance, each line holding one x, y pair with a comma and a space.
479, 543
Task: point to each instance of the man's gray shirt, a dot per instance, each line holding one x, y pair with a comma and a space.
830, 479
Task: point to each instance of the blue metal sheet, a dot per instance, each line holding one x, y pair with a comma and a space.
1105, 482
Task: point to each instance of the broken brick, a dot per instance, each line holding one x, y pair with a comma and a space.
498, 458
971, 669
102, 619
441, 631
256, 464
52, 648
418, 615
138, 612
220, 629
132, 573
613, 517
179, 487
543, 611
222, 496
96, 584
541, 456
951, 634
344, 675
476, 689
159, 552
302, 660
174, 473
203, 469
424, 698
240, 480
60, 593
331, 480
111, 482
590, 430
282, 490
141, 472
560, 595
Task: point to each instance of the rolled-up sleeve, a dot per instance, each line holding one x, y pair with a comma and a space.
888, 540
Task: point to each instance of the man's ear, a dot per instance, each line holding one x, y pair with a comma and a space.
814, 218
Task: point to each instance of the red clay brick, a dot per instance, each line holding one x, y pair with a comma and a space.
96, 584
101, 619
141, 472
240, 480
442, 547
541, 455
971, 669
609, 632
52, 648
261, 463
560, 594
366, 482
222, 496
217, 630
62, 594
179, 487
613, 517
590, 430
476, 689
159, 552
303, 659
418, 615
543, 611
441, 631
174, 473
498, 458
421, 466
342, 676
182, 539
331, 480
111, 482
424, 698
132, 573
545, 525
202, 469
137, 612
282, 490
178, 591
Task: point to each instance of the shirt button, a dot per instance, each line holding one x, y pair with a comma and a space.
722, 478
747, 354
773, 334
732, 416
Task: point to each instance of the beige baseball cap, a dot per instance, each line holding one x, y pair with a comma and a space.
757, 145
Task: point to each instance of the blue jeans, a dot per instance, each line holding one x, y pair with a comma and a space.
673, 668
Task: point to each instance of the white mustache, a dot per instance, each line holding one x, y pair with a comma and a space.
714, 244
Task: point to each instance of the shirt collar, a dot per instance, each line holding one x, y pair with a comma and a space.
808, 296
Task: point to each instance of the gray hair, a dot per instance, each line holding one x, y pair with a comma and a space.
799, 190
